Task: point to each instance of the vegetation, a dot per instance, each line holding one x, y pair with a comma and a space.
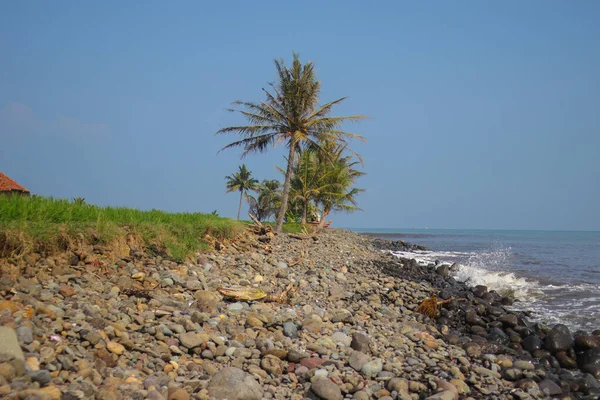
48, 225
291, 115
267, 201
242, 181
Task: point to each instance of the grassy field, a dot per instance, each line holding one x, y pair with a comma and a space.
45, 225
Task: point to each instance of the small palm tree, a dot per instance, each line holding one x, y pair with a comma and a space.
290, 114
339, 194
267, 201
242, 181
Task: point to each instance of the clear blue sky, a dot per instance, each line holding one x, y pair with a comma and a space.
483, 114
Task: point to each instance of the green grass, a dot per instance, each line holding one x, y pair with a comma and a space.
47, 225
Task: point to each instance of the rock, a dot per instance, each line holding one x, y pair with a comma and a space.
566, 361
372, 367
512, 374
549, 388
443, 270
357, 360
11, 350
326, 389
34, 394
362, 395
154, 395
497, 335
24, 334
290, 330
340, 315
589, 357
586, 342
41, 376
473, 319
295, 356
312, 324
272, 365
472, 349
532, 343
253, 322
445, 395
558, 339
191, 340
311, 362
176, 393
524, 365
207, 301
67, 291
234, 384
397, 384
509, 320
115, 347
341, 338
360, 342
480, 290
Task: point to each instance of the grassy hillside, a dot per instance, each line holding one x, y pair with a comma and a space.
47, 225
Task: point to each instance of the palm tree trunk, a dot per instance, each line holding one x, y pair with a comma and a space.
323, 218
240, 207
286, 189
305, 213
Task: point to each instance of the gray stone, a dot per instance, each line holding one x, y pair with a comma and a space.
191, 339
24, 334
340, 315
549, 388
234, 384
558, 339
326, 389
357, 360
342, 338
512, 374
362, 395
41, 376
372, 368
360, 342
11, 350
290, 330
235, 308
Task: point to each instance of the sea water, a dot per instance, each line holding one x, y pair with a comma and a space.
554, 274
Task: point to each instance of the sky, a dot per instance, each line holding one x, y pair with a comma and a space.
482, 115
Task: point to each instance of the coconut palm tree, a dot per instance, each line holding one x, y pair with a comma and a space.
241, 181
290, 114
267, 201
340, 174
310, 178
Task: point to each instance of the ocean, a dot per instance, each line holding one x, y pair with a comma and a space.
554, 274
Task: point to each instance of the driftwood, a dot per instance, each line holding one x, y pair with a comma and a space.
430, 305
242, 293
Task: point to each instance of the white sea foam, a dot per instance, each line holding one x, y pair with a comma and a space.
551, 303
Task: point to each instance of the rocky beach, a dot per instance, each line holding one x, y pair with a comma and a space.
118, 322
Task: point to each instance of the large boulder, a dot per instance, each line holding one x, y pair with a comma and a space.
558, 339
234, 384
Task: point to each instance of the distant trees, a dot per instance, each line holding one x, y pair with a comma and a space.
291, 114
243, 182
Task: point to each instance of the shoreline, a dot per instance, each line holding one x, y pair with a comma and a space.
147, 327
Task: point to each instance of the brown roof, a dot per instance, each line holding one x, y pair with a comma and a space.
7, 184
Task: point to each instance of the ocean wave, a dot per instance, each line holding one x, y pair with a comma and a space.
550, 301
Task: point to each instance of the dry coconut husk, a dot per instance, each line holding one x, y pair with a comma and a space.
430, 305
243, 293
